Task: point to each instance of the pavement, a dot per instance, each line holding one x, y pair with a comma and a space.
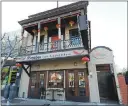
41, 102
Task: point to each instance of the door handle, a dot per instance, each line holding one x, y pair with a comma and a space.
38, 84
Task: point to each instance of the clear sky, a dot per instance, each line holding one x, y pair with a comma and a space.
108, 22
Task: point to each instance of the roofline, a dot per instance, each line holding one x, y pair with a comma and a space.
38, 14
101, 47
55, 12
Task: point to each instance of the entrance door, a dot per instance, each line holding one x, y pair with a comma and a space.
42, 79
33, 89
37, 79
106, 83
75, 86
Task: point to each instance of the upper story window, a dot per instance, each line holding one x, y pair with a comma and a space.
74, 36
42, 39
73, 33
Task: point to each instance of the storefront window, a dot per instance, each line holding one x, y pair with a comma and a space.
56, 79
81, 79
71, 79
42, 79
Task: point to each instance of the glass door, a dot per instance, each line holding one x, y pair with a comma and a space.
38, 80
81, 83
33, 85
75, 85
71, 84
42, 80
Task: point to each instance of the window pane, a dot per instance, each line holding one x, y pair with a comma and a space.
71, 79
33, 77
56, 79
81, 79
42, 79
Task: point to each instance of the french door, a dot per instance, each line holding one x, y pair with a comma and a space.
36, 80
76, 85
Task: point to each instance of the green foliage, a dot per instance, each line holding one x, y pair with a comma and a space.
5, 69
126, 74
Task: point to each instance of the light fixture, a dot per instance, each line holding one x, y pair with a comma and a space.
34, 31
75, 63
45, 28
71, 23
85, 59
57, 25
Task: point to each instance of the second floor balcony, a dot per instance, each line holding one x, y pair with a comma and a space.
59, 45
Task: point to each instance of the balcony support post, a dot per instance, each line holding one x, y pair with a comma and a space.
59, 29
38, 42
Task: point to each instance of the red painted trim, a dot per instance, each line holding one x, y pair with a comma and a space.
76, 52
48, 21
38, 30
52, 20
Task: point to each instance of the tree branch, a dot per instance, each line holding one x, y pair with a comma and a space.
6, 58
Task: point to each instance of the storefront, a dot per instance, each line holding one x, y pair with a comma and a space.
64, 79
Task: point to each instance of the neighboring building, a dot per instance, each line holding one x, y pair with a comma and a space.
51, 53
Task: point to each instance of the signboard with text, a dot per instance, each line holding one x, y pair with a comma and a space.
52, 55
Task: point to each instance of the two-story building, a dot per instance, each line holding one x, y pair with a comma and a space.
53, 47
54, 43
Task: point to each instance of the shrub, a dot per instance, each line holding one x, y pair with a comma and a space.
126, 74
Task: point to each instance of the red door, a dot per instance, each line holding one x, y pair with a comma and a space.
54, 40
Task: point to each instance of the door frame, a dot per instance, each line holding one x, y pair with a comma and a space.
76, 80
38, 79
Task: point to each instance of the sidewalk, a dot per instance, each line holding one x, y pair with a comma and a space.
21, 101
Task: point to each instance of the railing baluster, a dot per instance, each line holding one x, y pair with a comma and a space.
52, 46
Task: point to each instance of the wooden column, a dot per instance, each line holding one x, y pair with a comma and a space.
59, 29
64, 85
38, 41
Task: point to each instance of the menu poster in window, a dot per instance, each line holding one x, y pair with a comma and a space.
55, 77
81, 79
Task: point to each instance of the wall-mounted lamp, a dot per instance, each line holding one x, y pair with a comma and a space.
75, 63
90, 74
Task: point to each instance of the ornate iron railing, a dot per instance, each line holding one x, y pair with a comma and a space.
52, 46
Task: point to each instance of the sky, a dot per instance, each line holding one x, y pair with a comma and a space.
108, 23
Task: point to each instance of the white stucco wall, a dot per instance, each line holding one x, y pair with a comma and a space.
24, 83
99, 55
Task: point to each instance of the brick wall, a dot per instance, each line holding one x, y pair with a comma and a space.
123, 89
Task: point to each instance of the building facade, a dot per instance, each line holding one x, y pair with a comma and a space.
54, 43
